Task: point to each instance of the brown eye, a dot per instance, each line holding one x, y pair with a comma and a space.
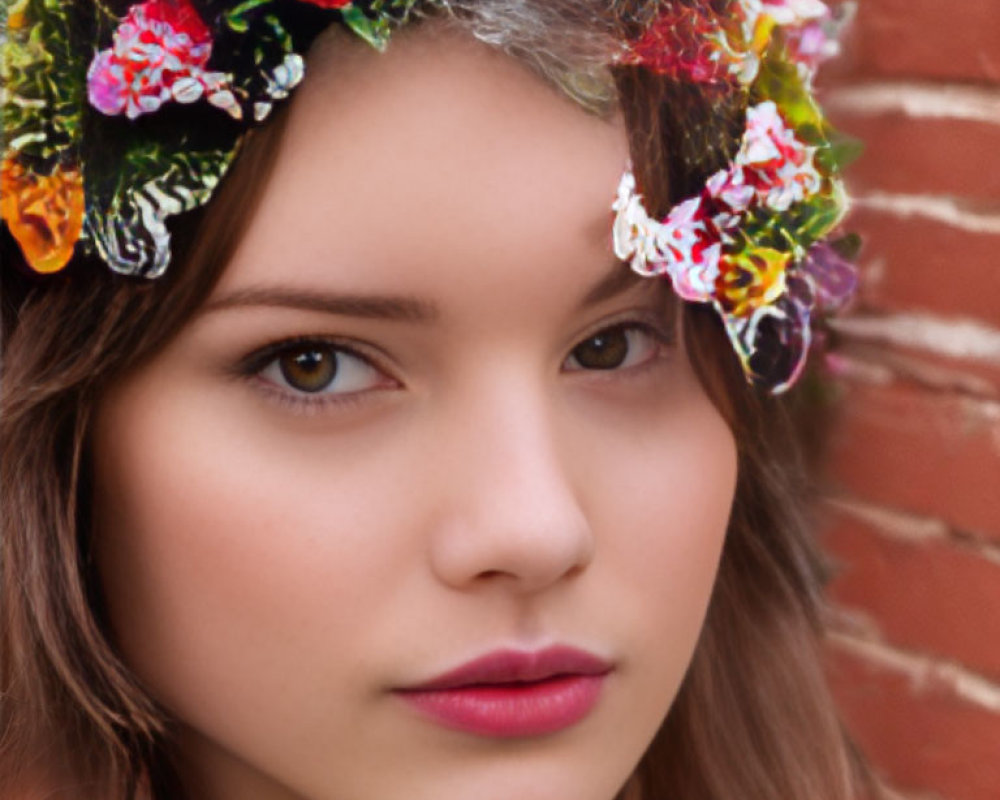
319, 367
614, 348
309, 369
607, 349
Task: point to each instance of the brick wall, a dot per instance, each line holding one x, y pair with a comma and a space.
914, 477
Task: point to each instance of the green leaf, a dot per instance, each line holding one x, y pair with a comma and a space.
43, 72
839, 152
779, 80
236, 18
374, 31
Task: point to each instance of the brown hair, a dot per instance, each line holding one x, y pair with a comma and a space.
753, 719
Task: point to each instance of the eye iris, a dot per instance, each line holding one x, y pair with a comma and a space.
605, 350
309, 369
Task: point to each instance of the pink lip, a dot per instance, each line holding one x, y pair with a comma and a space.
508, 693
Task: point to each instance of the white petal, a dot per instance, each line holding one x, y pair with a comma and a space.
187, 90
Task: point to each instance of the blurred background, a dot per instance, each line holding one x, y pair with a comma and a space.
914, 472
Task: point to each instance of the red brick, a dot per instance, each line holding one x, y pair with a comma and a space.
918, 264
934, 596
925, 155
927, 39
924, 739
933, 454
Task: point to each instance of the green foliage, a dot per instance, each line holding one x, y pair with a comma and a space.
43, 75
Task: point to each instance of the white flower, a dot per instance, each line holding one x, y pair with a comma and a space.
684, 246
633, 231
794, 12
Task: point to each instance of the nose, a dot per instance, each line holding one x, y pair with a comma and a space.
510, 514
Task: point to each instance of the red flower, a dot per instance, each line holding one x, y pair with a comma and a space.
158, 54
179, 15
687, 43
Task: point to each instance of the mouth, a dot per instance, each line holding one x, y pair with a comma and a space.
513, 694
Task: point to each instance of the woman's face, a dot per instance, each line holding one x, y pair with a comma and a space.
426, 422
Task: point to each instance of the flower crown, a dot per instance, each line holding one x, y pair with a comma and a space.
751, 243
104, 140
84, 162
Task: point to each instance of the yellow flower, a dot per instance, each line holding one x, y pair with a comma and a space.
751, 279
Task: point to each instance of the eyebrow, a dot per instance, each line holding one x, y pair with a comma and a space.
398, 308
388, 307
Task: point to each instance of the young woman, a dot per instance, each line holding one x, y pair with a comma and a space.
379, 475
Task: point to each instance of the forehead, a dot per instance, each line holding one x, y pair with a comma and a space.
438, 162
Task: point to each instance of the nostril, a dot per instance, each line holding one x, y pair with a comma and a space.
575, 570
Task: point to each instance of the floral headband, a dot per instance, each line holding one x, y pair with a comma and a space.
104, 139
752, 242
103, 145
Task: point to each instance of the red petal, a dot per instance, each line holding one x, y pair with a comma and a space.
179, 15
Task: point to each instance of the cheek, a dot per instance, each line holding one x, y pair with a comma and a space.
669, 493
684, 483
231, 560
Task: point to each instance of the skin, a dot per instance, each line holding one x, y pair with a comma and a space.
276, 562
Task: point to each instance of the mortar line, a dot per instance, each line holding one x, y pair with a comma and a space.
935, 207
919, 100
922, 670
909, 527
952, 337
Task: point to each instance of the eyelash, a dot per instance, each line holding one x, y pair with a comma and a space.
661, 340
256, 364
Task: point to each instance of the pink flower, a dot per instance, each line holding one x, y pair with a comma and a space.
686, 245
811, 28
730, 188
811, 44
773, 169
768, 141
691, 247
774, 161
758, 19
158, 53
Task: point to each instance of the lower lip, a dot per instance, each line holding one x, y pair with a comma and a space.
511, 710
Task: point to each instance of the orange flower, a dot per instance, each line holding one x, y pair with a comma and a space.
16, 15
44, 212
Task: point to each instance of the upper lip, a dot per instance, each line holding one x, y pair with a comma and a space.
517, 666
